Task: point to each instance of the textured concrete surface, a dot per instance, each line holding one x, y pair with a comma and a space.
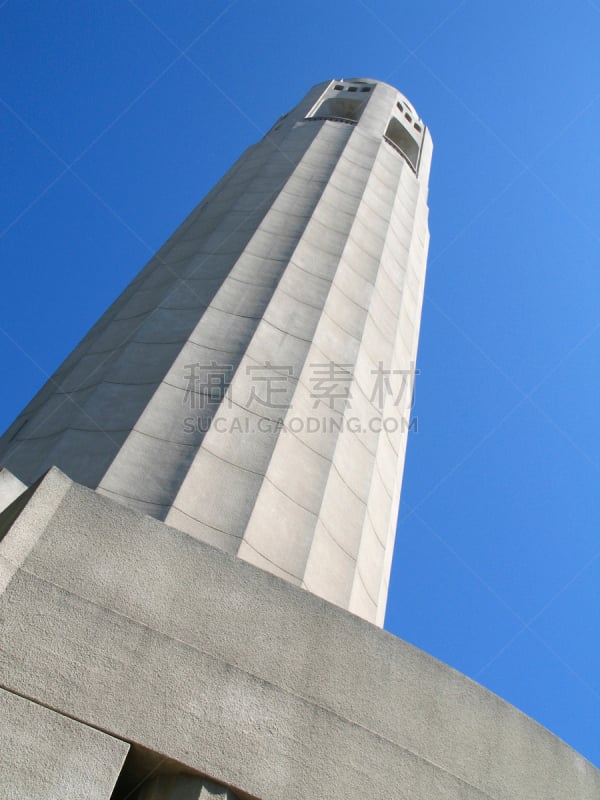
46, 756
306, 262
10, 488
143, 631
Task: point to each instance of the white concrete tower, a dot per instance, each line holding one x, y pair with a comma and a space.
252, 386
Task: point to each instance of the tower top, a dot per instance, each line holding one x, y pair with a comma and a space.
377, 108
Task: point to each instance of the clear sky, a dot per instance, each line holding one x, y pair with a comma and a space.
118, 116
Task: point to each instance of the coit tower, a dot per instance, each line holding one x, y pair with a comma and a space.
253, 385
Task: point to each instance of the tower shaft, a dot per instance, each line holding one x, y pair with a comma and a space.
253, 385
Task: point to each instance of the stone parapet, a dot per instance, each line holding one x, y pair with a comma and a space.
143, 632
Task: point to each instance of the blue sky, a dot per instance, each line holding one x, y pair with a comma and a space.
117, 117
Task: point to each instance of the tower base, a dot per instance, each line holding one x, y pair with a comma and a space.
202, 664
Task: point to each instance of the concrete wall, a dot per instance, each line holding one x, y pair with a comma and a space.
10, 488
158, 639
46, 756
303, 269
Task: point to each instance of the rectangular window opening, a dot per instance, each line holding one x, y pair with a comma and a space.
346, 109
398, 136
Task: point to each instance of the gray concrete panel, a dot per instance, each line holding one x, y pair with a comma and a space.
10, 488
162, 641
47, 756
